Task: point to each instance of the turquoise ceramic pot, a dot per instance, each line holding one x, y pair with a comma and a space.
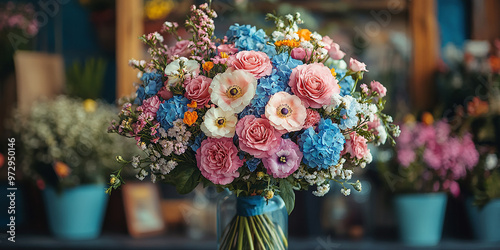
76, 213
421, 218
486, 221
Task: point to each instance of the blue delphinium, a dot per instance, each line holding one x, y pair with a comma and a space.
322, 149
252, 164
346, 84
348, 114
247, 37
171, 110
152, 83
283, 65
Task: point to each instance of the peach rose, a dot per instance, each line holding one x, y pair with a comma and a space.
255, 62
356, 146
314, 84
257, 136
357, 66
197, 90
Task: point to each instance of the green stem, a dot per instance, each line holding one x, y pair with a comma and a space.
249, 234
240, 234
257, 233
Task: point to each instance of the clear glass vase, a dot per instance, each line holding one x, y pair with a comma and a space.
251, 222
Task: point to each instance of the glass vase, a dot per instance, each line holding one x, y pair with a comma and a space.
251, 222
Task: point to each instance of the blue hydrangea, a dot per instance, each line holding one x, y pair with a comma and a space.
346, 84
197, 141
247, 37
171, 110
140, 95
252, 164
152, 83
348, 114
283, 65
322, 149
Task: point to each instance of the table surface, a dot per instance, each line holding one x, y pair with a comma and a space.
124, 242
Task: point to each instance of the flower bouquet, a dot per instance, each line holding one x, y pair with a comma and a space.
254, 114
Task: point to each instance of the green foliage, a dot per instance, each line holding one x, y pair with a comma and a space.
288, 195
86, 81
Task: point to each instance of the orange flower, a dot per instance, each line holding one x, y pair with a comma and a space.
190, 117
333, 72
495, 64
193, 105
427, 118
477, 107
62, 170
207, 66
289, 43
304, 34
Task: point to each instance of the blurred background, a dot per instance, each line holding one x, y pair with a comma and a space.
437, 57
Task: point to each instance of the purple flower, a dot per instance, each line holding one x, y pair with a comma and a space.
285, 161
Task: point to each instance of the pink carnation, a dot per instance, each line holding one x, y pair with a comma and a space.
257, 136
314, 84
150, 106
312, 118
357, 66
333, 48
356, 146
406, 157
379, 88
197, 90
284, 161
181, 49
255, 62
218, 160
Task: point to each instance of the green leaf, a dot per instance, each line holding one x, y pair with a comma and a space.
185, 178
288, 195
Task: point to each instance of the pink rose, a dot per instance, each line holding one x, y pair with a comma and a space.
197, 90
356, 146
218, 160
357, 66
255, 62
165, 93
150, 106
284, 161
314, 84
312, 118
180, 49
257, 136
298, 53
333, 48
227, 48
379, 88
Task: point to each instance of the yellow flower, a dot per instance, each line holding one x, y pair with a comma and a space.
223, 55
427, 118
89, 105
207, 66
112, 180
62, 170
190, 117
260, 175
269, 194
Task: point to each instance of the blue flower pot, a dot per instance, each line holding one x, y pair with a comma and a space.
421, 218
76, 213
486, 221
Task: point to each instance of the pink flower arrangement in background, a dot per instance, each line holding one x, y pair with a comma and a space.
442, 157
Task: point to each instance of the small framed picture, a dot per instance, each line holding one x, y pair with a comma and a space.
142, 209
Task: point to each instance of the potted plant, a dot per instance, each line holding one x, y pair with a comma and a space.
258, 116
430, 160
